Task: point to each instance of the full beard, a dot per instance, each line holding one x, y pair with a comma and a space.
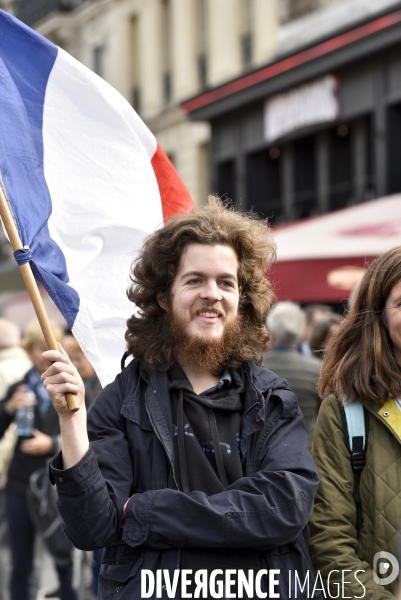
212, 355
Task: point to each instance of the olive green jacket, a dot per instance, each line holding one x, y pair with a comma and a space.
334, 542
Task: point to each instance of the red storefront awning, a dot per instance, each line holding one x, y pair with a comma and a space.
321, 259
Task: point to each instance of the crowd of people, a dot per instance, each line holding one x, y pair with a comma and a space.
30, 436
198, 456
291, 354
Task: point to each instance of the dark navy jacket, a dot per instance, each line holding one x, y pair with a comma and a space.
130, 431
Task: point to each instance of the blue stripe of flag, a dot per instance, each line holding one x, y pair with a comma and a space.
26, 60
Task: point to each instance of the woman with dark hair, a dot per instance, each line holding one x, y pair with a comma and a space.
350, 535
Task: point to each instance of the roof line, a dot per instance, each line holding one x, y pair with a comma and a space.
290, 224
291, 62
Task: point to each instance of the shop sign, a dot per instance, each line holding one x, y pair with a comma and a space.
309, 104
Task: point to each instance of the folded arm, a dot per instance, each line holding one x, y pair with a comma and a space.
265, 510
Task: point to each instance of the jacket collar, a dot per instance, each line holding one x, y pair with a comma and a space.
389, 414
260, 384
267, 383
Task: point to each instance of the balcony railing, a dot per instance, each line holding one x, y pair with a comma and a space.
32, 11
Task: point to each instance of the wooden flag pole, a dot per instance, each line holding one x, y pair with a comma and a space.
32, 287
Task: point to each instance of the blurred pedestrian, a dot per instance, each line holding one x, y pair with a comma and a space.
28, 403
357, 443
84, 368
14, 363
321, 332
286, 323
313, 313
92, 388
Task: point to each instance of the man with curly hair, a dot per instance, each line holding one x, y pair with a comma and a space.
196, 466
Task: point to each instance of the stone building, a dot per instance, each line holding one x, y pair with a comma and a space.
201, 74
157, 53
318, 127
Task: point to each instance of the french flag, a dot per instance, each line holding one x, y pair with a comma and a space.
86, 182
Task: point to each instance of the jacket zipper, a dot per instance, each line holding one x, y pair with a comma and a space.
162, 443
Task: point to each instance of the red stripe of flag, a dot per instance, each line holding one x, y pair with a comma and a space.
174, 195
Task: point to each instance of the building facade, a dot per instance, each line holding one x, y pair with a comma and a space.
318, 127
211, 78
157, 53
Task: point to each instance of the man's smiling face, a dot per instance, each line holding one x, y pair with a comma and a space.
205, 294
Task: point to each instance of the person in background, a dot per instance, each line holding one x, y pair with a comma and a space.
35, 446
92, 389
286, 324
14, 363
358, 514
313, 313
321, 332
84, 368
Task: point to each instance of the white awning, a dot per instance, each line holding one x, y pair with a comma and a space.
321, 258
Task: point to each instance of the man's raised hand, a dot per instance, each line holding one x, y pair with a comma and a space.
61, 377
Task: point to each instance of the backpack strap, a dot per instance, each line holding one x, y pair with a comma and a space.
356, 427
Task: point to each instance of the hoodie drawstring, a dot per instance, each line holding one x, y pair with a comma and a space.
182, 458
217, 449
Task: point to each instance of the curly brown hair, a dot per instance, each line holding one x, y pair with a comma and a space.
155, 268
360, 361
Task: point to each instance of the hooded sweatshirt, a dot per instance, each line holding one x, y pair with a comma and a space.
206, 431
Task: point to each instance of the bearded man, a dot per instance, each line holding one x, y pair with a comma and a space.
196, 467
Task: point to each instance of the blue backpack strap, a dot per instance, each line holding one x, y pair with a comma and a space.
356, 426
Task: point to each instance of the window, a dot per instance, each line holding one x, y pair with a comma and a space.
202, 41
263, 183
134, 56
290, 10
393, 148
98, 60
166, 50
246, 32
225, 180
203, 173
305, 196
341, 185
